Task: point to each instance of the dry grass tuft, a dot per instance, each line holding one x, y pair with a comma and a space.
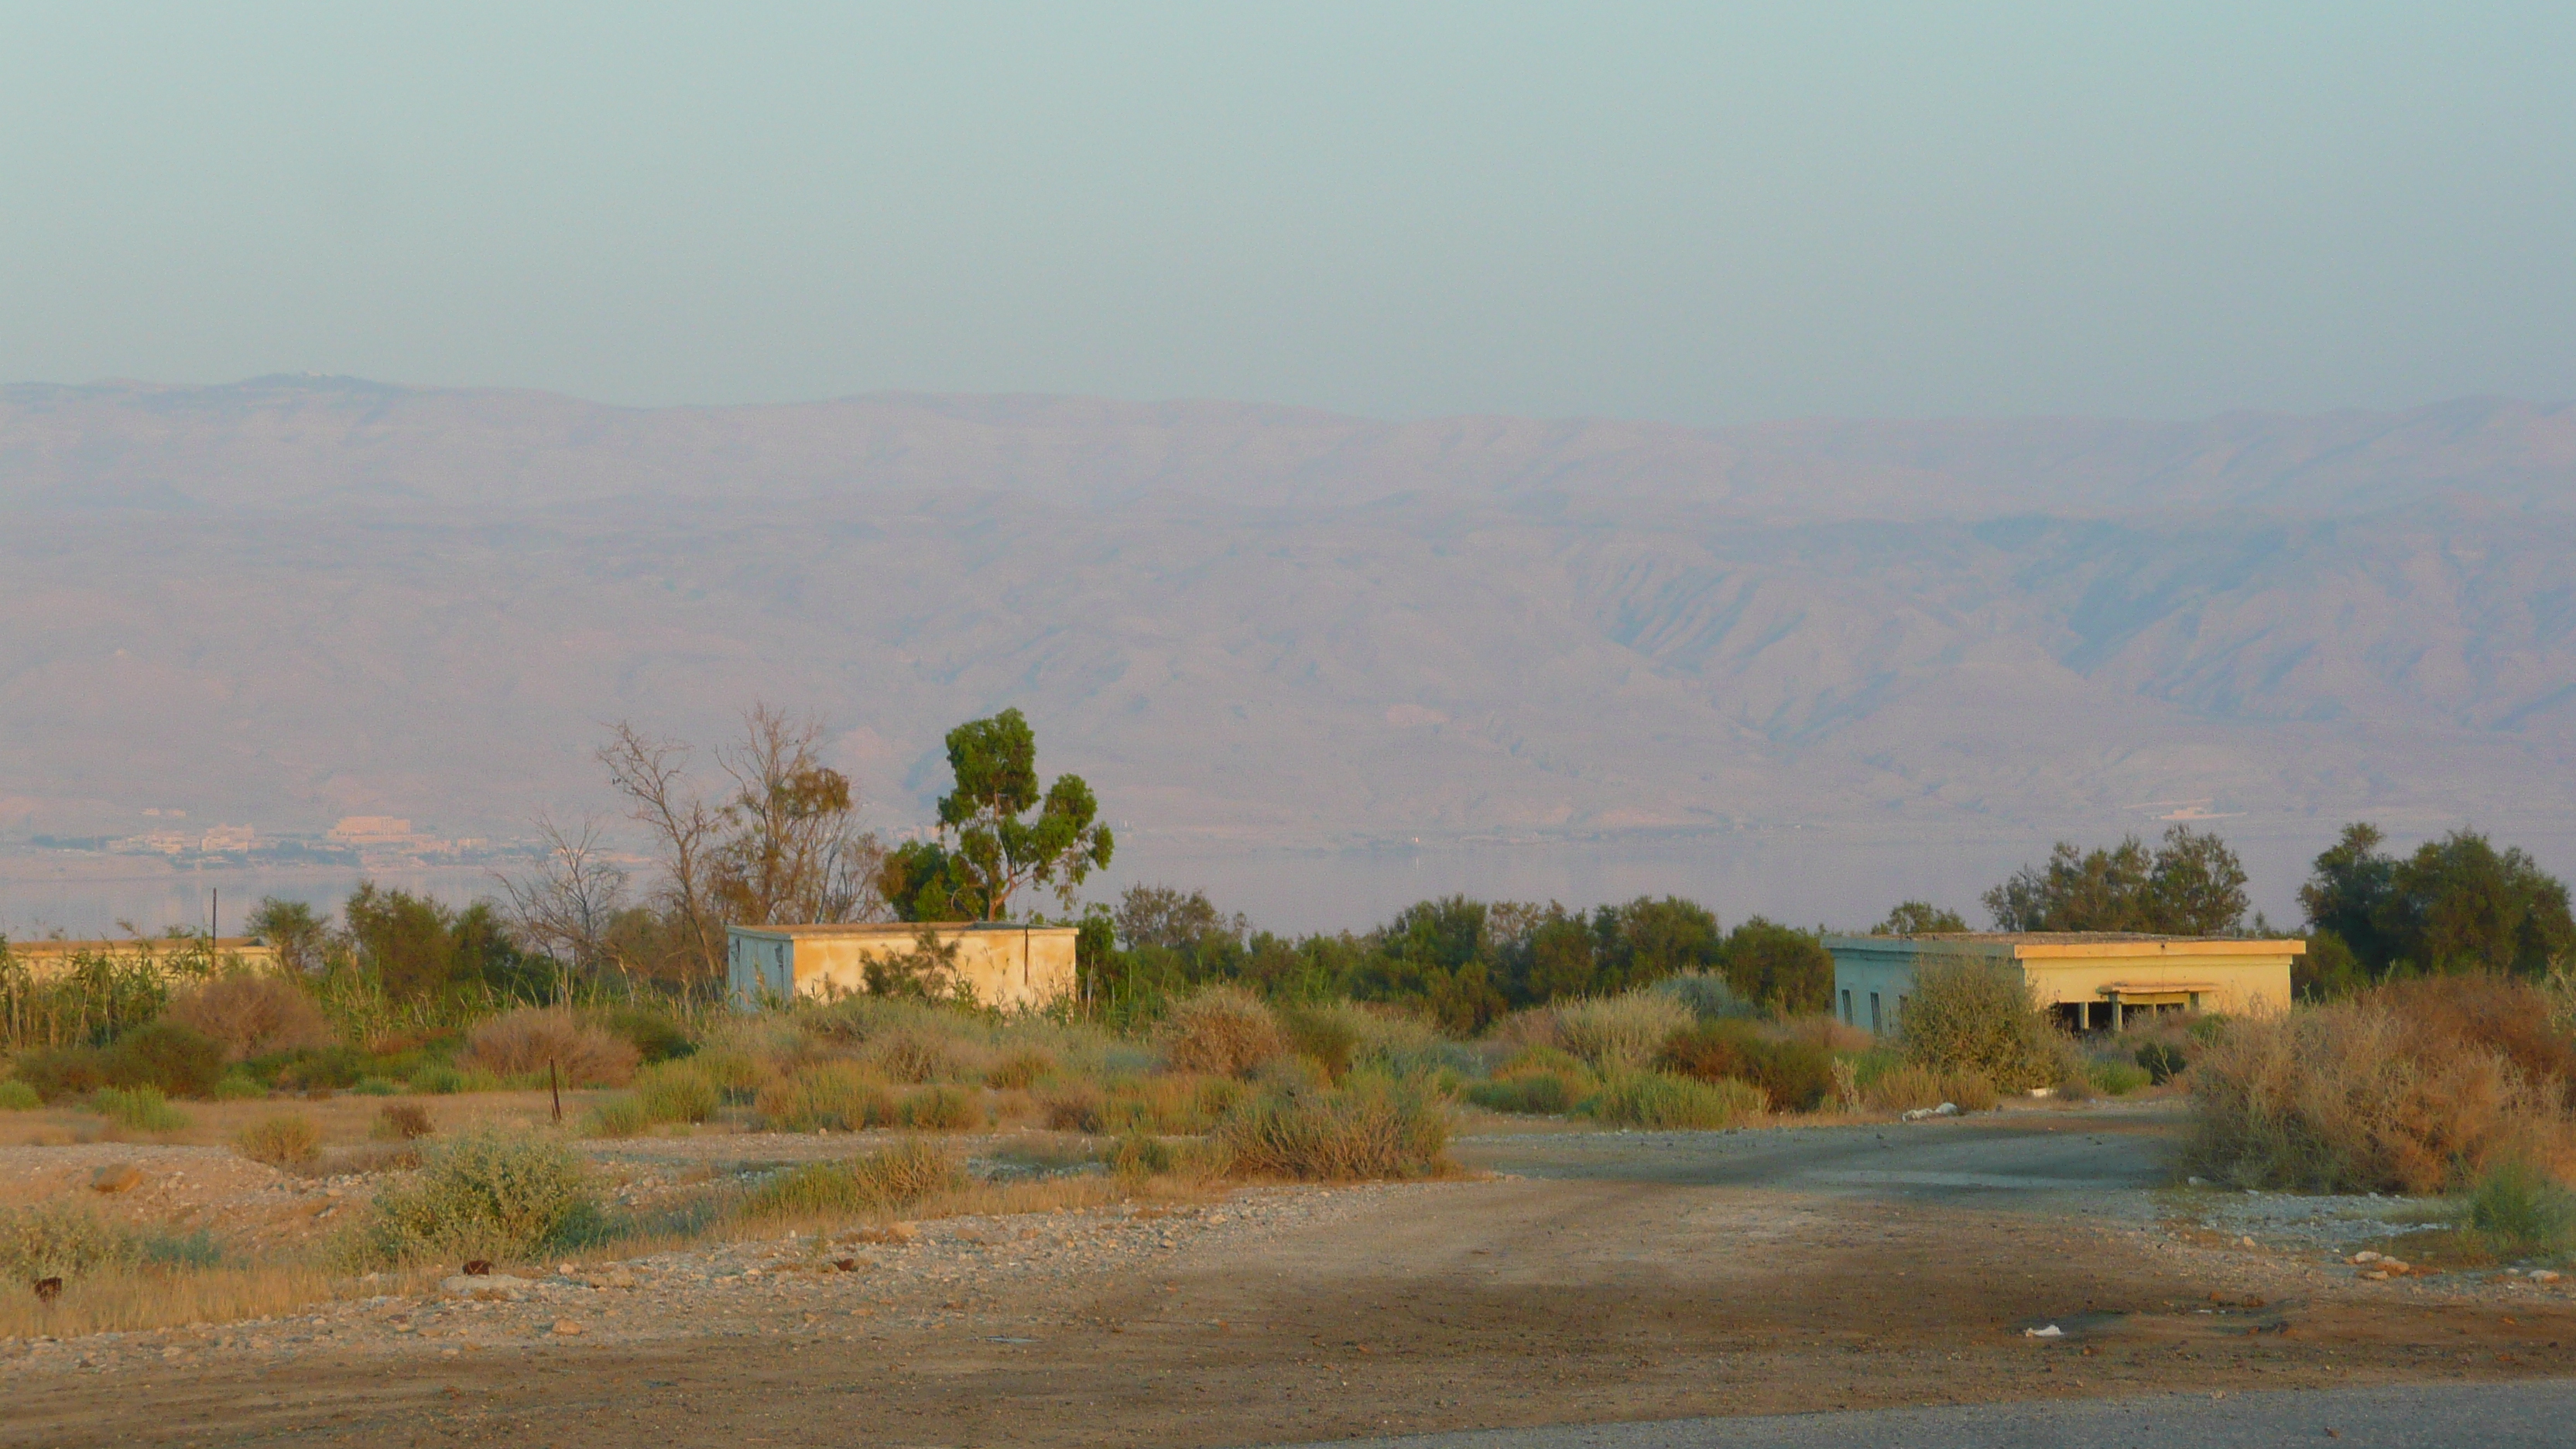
1222, 1031
840, 1096
252, 1016
1369, 1127
287, 1139
2362, 1096
1620, 1033
135, 1298
1663, 1101
521, 1043
898, 1177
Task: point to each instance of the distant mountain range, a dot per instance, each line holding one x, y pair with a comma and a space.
1271, 628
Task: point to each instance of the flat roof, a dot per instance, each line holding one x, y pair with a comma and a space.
892, 928
2064, 945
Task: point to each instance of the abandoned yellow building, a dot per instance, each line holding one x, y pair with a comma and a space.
2090, 979
997, 963
45, 959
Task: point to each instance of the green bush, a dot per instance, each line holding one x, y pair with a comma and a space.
840, 1096
2521, 1212
58, 1241
675, 1090
888, 1181
1967, 1016
1371, 1126
941, 1108
1793, 1075
656, 1036
1661, 1100
1709, 996
2161, 1061
170, 1057
17, 1096
1535, 1094
2118, 1079
375, 1087
619, 1116
437, 1080
142, 1108
487, 1193
238, 1087
61, 1074
322, 1069
1537, 1080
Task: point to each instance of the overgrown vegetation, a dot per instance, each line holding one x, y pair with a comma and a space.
488, 1193
1967, 1018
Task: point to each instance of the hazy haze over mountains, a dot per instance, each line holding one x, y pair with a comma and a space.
1263, 629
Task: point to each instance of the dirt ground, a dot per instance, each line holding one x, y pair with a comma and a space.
1590, 1277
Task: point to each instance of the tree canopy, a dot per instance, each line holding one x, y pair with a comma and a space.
2457, 904
2191, 885
991, 846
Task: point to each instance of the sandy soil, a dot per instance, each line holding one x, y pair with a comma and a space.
1594, 1277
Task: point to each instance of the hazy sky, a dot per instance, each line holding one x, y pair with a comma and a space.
1693, 212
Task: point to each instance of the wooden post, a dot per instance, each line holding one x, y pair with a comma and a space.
556, 1088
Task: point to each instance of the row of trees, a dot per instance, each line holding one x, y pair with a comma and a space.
1461, 961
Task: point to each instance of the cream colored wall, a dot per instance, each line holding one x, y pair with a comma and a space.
1006, 969
2243, 985
46, 959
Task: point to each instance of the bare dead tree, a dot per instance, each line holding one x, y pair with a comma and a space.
565, 906
653, 776
793, 851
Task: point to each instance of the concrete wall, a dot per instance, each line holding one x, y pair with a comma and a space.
44, 959
2093, 981
999, 966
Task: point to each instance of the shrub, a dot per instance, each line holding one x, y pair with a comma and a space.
17, 1096
239, 1087
142, 1108
676, 1090
1534, 1093
327, 1069
2161, 1061
1222, 1031
898, 1177
2521, 1212
1969, 1091
252, 1016
62, 1073
1969, 1016
288, 1139
59, 1242
1020, 1069
656, 1036
1620, 1033
375, 1087
1369, 1127
1327, 1032
1793, 1075
841, 1096
1904, 1088
1660, 1100
1171, 1105
2354, 1096
521, 1043
485, 1193
1708, 996
619, 1116
2117, 1079
1074, 1107
403, 1122
916, 1054
437, 1080
941, 1109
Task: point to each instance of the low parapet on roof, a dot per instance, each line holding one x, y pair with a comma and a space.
892, 928
2046, 945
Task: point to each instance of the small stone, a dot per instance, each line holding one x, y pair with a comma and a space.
2543, 1275
2375, 1275
116, 1177
567, 1327
2365, 1256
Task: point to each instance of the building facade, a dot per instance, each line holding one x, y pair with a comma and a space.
997, 963
2091, 980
